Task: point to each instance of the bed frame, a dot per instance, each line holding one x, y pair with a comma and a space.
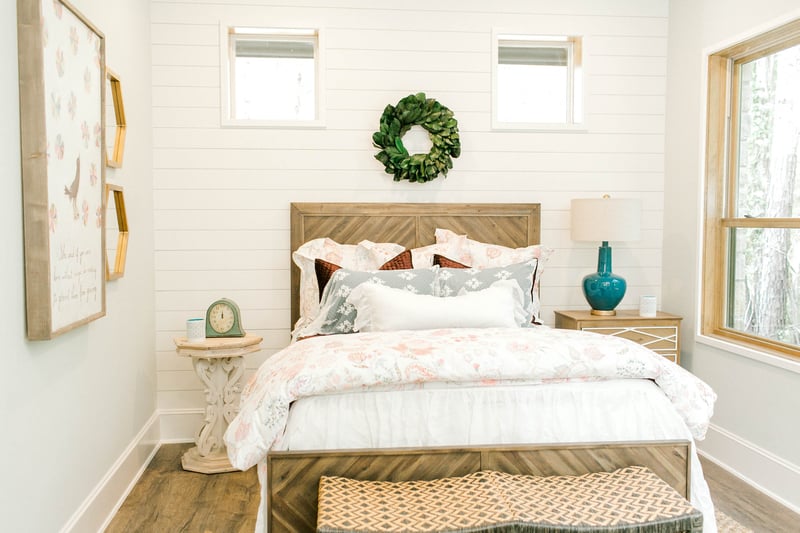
293, 476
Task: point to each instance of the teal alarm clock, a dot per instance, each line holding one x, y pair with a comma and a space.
223, 319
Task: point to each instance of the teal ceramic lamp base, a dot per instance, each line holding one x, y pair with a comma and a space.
604, 289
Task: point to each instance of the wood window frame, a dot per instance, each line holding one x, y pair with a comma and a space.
720, 181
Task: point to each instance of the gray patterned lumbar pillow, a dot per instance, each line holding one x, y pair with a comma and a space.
336, 315
453, 281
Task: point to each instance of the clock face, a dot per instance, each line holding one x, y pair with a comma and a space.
221, 317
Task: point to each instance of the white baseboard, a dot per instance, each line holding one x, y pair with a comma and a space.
102, 503
180, 425
768, 473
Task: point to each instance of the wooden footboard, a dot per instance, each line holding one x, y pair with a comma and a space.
293, 477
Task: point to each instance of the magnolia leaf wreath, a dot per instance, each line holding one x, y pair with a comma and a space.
441, 126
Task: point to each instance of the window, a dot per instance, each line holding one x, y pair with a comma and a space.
272, 77
538, 82
751, 289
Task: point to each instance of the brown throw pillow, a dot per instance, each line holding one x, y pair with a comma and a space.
444, 262
401, 261
325, 269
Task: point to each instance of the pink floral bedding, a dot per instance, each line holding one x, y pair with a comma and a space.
360, 361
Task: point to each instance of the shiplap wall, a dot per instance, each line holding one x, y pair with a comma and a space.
222, 194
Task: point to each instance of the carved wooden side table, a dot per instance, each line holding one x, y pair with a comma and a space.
219, 363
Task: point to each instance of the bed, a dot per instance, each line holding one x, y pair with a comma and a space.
546, 401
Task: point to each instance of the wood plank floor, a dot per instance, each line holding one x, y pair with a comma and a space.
168, 499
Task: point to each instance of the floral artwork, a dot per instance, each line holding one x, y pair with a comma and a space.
67, 65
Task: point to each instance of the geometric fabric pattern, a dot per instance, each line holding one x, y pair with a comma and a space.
631, 499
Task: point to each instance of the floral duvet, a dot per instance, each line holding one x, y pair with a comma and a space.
474, 357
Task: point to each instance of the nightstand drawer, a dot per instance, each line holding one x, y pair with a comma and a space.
657, 338
660, 333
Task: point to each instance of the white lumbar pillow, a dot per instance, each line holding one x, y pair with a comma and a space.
380, 308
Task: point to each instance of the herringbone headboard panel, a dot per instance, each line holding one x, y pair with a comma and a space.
412, 225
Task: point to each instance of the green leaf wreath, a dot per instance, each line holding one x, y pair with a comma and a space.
442, 127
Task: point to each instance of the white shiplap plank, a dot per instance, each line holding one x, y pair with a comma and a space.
193, 97
627, 66
180, 76
615, 45
232, 220
405, 82
185, 117
219, 239
410, 40
185, 55
185, 34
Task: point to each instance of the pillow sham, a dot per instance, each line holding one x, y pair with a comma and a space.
336, 315
423, 256
324, 269
381, 308
366, 255
483, 255
452, 281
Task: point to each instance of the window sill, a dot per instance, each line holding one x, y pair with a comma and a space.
539, 127
768, 358
274, 124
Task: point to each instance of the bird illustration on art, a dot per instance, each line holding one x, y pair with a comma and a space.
72, 190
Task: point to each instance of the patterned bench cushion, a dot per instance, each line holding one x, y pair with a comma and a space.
631, 499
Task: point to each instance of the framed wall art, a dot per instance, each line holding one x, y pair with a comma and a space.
62, 119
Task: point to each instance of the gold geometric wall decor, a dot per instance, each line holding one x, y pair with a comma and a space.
116, 249
115, 127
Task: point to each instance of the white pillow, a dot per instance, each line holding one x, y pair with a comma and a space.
380, 308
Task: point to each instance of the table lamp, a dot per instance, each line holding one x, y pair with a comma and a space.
605, 219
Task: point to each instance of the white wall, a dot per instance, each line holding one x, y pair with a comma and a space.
755, 426
222, 195
73, 406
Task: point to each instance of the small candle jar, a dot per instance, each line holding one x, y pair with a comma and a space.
647, 306
196, 329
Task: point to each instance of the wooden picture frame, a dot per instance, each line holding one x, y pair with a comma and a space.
117, 122
62, 123
119, 251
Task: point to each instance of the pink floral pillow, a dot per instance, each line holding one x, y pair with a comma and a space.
454, 248
478, 254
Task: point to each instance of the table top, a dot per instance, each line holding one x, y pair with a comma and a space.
218, 346
622, 314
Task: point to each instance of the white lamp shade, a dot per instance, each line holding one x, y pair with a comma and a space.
606, 219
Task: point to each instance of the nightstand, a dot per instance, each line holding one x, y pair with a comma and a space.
660, 333
219, 363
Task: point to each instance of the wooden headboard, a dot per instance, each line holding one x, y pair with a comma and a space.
412, 225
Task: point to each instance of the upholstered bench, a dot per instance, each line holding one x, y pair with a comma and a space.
631, 499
